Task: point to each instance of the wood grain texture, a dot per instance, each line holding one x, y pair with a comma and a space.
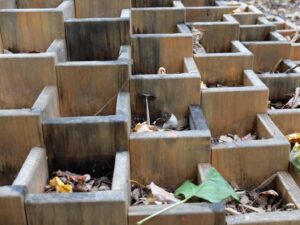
179, 154
30, 30
256, 32
26, 126
34, 172
188, 214
207, 14
238, 161
198, 2
232, 64
104, 8
77, 208
96, 39
150, 52
150, 3
267, 54
162, 87
218, 36
38, 3
32, 72
85, 87
12, 205
7, 4
278, 218
234, 109
148, 20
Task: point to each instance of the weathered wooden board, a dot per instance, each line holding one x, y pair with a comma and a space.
179, 154
151, 3
268, 53
12, 205
230, 66
102, 208
198, 2
88, 141
149, 20
23, 77
189, 214
104, 8
218, 36
207, 14
233, 109
7, 4
239, 161
33, 30
96, 39
38, 3
152, 51
85, 87
166, 95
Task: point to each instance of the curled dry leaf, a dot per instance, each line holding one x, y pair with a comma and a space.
240, 9
269, 193
161, 70
294, 138
294, 102
162, 195
197, 38
145, 127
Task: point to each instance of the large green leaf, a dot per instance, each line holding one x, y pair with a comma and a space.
215, 189
295, 158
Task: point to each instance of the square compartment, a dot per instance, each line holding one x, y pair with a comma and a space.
34, 29
18, 181
282, 183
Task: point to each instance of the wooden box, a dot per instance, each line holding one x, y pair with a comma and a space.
295, 46
152, 20
238, 160
14, 186
254, 28
152, 51
20, 129
31, 71
102, 208
286, 187
97, 9
33, 30
267, 52
232, 108
232, 62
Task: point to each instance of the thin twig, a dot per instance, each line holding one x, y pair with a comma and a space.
290, 69
111, 99
276, 65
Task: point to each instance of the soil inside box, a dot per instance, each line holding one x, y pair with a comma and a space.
165, 122
264, 198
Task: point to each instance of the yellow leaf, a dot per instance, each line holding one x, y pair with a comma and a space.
294, 138
60, 186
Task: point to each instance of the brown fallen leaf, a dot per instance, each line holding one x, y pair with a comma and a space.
269, 193
161, 70
294, 102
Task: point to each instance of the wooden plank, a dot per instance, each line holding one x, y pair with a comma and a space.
256, 32
162, 87
207, 14
34, 172
179, 154
7, 4
26, 126
203, 169
85, 142
148, 20
45, 26
150, 3
77, 208
95, 8
150, 52
12, 205
32, 73
84, 88
199, 2
96, 39
278, 218
196, 118
189, 214
287, 120
38, 3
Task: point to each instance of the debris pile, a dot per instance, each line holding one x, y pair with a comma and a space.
230, 138
65, 181
292, 103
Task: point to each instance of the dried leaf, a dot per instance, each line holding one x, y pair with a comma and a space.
161, 70
294, 102
161, 194
145, 127
239, 10
269, 193
60, 186
294, 138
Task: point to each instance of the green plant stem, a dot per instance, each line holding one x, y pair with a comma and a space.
162, 211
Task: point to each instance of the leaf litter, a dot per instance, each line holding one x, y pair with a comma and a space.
231, 138
67, 182
292, 103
